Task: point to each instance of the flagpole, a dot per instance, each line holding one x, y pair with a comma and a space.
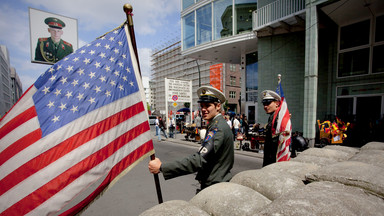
128, 11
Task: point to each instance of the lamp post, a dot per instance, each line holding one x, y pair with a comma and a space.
198, 69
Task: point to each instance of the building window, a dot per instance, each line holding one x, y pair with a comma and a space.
222, 18
356, 53
187, 3
244, 9
232, 94
204, 24
232, 67
233, 80
189, 30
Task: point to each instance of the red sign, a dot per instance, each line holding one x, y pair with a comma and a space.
174, 97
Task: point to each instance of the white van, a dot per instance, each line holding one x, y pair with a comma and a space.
152, 119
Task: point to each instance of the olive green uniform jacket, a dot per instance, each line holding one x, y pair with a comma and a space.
47, 51
212, 162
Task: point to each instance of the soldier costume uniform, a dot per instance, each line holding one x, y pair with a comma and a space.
49, 51
215, 158
271, 142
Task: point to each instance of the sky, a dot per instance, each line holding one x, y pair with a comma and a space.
156, 22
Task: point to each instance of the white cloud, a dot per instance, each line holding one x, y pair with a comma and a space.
145, 61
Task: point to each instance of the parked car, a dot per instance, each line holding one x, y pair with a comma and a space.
152, 119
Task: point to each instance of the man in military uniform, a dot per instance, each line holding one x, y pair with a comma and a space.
215, 158
53, 49
271, 101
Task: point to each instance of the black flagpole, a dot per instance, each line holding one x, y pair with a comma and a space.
128, 10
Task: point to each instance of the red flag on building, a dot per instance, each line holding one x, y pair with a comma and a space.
81, 125
283, 127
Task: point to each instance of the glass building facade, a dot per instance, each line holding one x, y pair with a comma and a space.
214, 20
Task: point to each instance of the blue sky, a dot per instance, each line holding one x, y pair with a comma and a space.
156, 22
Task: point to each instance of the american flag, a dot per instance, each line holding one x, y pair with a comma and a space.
283, 127
82, 125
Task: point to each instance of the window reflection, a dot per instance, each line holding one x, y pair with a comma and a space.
204, 24
244, 9
222, 18
189, 30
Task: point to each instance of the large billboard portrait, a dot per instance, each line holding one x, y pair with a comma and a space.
52, 36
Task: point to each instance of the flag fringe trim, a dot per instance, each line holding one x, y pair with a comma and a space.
123, 173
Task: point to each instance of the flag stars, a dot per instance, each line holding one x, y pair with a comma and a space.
92, 100
128, 70
51, 70
116, 50
111, 39
82, 51
74, 109
46, 90
131, 83
97, 64
63, 80
115, 32
112, 83
102, 79
92, 52
55, 119
107, 68
108, 93
121, 87
69, 94
117, 73
88, 45
51, 104
69, 68
57, 92
125, 78
66, 58
80, 96
59, 67
76, 59
107, 46
80, 72
97, 89
102, 55
98, 45
92, 74
102, 38
112, 59
75, 82
121, 64
124, 56
86, 85
87, 61
52, 78
63, 106
120, 43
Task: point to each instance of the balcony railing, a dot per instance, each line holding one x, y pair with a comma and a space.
276, 11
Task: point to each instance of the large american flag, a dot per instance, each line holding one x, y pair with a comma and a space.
80, 127
283, 127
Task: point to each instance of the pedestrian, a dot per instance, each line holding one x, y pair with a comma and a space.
245, 125
228, 121
214, 160
236, 126
171, 127
271, 102
157, 125
162, 129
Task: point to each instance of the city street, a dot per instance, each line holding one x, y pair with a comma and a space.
135, 192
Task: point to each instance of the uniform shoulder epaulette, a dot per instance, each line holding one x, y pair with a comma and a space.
43, 39
66, 43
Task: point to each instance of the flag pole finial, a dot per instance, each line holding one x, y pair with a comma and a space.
128, 11
279, 78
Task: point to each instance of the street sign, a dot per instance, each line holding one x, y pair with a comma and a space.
174, 97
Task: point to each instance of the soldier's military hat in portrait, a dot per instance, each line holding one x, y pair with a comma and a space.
209, 94
54, 22
269, 96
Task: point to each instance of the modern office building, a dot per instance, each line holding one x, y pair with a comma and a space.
169, 63
6, 96
17, 87
329, 53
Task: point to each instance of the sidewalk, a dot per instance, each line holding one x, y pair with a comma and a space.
180, 139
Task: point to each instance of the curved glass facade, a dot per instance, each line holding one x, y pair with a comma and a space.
215, 20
